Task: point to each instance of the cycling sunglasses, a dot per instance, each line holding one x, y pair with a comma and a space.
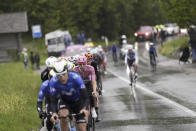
81, 64
61, 75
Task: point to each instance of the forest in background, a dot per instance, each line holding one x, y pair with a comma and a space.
110, 18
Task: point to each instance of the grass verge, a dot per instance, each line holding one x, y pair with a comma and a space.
19, 89
169, 48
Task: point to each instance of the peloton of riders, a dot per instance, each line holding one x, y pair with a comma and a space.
69, 85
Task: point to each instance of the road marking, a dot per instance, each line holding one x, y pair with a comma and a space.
185, 109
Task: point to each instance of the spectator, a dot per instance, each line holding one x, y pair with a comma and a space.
25, 58
67, 40
32, 60
192, 35
82, 37
79, 38
185, 55
163, 36
114, 51
37, 60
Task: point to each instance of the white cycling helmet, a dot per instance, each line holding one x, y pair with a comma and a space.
130, 47
72, 59
151, 43
124, 37
60, 67
50, 61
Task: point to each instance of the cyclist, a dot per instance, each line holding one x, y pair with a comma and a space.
87, 73
103, 57
152, 54
72, 59
47, 73
73, 96
130, 60
122, 37
114, 51
45, 93
94, 63
97, 63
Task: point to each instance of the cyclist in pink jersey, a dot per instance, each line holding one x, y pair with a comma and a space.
87, 73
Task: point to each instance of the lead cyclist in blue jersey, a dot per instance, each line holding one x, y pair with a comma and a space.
73, 96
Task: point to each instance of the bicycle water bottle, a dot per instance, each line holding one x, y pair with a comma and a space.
73, 129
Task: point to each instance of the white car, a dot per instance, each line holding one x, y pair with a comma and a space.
171, 28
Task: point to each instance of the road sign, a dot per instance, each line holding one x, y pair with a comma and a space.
36, 31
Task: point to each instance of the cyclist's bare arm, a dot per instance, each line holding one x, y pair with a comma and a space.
94, 87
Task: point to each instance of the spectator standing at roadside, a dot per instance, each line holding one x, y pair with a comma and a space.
37, 60
163, 36
192, 41
114, 51
79, 38
82, 37
25, 58
32, 59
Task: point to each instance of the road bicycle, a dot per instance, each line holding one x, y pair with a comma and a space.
91, 121
132, 77
153, 62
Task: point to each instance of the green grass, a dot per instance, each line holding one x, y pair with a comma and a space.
170, 47
19, 90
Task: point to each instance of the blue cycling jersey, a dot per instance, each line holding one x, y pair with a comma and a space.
45, 91
69, 92
152, 49
130, 58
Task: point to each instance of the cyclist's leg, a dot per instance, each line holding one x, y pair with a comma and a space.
130, 74
80, 120
63, 111
99, 80
91, 98
97, 109
135, 67
135, 70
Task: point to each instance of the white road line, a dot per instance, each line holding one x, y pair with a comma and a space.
185, 109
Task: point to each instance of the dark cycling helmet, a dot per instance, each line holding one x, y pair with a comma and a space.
89, 55
60, 67
82, 60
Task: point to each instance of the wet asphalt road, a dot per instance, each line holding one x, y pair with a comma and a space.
162, 101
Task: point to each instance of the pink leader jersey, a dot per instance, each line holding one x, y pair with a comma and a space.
88, 74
